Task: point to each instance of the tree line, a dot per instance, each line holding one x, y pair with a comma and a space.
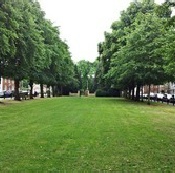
31, 48
139, 50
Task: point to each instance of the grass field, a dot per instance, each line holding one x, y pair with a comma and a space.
86, 134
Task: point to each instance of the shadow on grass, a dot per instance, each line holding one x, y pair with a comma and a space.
139, 103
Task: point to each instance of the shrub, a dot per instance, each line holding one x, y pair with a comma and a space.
100, 93
112, 92
109, 93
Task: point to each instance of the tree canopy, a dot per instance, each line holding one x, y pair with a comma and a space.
138, 51
31, 47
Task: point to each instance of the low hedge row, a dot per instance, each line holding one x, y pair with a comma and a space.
107, 93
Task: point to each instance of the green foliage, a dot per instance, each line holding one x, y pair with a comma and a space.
140, 49
85, 72
107, 93
31, 47
101, 93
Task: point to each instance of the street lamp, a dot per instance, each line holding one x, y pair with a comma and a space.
87, 83
87, 89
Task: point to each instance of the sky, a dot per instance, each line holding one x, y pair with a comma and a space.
83, 22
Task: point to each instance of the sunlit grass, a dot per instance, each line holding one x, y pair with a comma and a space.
86, 134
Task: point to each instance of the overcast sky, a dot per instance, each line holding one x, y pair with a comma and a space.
83, 22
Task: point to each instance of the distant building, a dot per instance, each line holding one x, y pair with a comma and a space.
6, 84
156, 89
0, 84
36, 88
171, 88
166, 88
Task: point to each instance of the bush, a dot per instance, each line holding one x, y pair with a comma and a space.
100, 93
109, 93
112, 92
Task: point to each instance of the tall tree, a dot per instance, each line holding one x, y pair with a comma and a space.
86, 74
134, 40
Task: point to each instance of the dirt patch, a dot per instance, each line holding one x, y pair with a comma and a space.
9, 102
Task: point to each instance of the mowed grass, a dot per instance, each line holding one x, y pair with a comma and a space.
86, 134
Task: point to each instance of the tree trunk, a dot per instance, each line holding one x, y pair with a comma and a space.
16, 90
31, 89
149, 89
138, 93
124, 94
133, 93
142, 93
53, 91
48, 92
61, 90
129, 96
42, 90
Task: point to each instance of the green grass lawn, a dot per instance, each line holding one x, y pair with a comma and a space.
86, 134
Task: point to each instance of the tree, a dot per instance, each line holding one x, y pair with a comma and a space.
65, 73
167, 50
86, 75
144, 62
27, 43
31, 47
8, 34
133, 46
115, 40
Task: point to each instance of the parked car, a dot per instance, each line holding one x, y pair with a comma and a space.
1, 94
159, 96
152, 96
172, 100
145, 96
6, 94
24, 94
167, 98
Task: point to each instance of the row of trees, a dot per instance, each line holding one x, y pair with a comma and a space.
31, 48
140, 49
